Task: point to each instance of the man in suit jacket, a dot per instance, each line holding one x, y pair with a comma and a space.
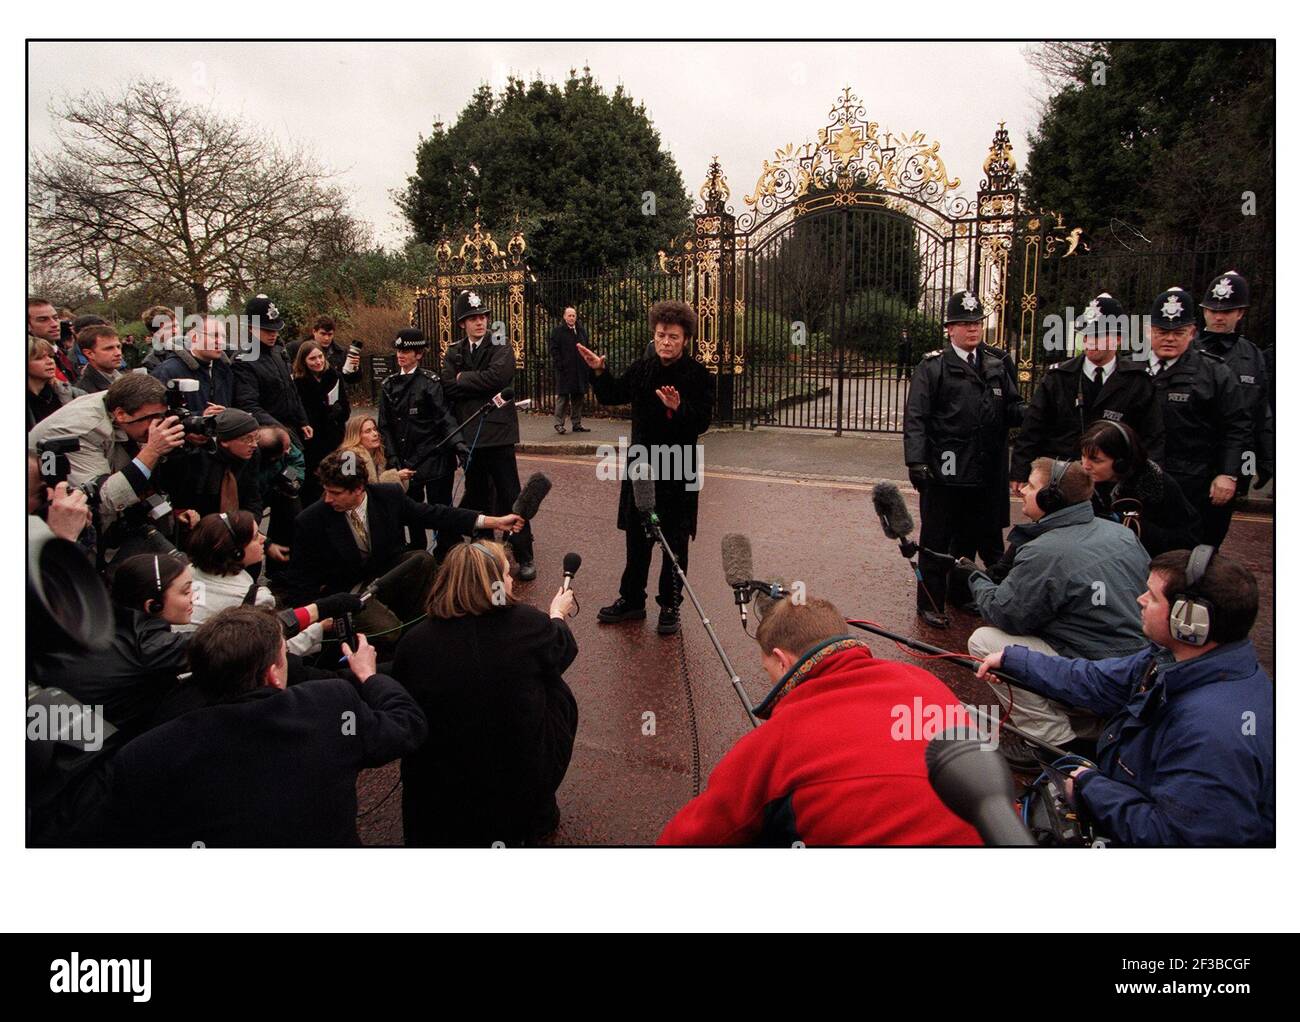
354, 534
475, 369
261, 765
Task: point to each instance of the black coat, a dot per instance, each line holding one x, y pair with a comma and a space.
1058, 413
327, 421
674, 434
191, 477
1249, 366
571, 372
501, 726
325, 557
131, 677
414, 417
264, 387
216, 379
482, 375
1207, 424
957, 420
274, 768
1165, 519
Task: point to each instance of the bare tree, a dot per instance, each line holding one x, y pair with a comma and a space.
147, 187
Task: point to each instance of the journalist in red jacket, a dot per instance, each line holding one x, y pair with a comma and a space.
831, 766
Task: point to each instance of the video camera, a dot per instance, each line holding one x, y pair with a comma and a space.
52, 458
202, 425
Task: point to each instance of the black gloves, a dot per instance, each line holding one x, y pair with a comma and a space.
919, 475
338, 604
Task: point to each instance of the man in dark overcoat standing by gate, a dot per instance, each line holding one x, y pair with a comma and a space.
570, 370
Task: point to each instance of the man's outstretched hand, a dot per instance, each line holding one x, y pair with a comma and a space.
594, 361
669, 396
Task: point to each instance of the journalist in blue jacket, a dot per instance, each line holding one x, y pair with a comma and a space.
1186, 754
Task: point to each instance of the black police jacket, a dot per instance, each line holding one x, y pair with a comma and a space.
1250, 369
472, 379
1058, 413
1207, 423
414, 416
957, 419
264, 388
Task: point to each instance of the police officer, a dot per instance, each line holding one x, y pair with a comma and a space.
1208, 427
264, 383
414, 418
476, 368
1224, 307
1104, 382
962, 402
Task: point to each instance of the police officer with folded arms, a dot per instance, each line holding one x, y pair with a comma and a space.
962, 402
476, 368
1224, 306
1208, 428
414, 418
1103, 382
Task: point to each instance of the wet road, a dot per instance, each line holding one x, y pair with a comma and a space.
633, 762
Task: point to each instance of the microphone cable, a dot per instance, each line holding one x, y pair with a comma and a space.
692, 724
991, 679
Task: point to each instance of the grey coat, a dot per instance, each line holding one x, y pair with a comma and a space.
1074, 584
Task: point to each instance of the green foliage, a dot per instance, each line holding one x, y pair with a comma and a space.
1168, 143
573, 162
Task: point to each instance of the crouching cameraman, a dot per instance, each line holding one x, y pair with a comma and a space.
121, 436
1186, 756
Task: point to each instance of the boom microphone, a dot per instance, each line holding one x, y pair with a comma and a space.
530, 497
975, 783
737, 559
385, 580
572, 562
895, 519
643, 494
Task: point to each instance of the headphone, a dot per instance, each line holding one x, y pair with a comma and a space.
225, 520
1191, 615
1123, 462
154, 605
1050, 498
492, 559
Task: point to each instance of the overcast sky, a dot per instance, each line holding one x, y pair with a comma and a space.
362, 106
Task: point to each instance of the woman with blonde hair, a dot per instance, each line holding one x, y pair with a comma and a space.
488, 673
361, 435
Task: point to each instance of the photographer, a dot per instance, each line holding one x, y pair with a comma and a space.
129, 679
205, 362
63, 511
217, 474
123, 435
1131, 489
263, 765
1187, 754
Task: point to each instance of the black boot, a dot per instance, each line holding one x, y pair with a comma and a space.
620, 610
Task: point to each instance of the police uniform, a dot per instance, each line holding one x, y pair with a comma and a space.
471, 376
1071, 398
1249, 368
955, 446
414, 417
1207, 424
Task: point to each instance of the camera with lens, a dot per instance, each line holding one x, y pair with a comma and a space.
52, 458
202, 425
354, 349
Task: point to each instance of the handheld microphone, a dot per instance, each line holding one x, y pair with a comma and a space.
572, 562
504, 398
976, 784
530, 497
